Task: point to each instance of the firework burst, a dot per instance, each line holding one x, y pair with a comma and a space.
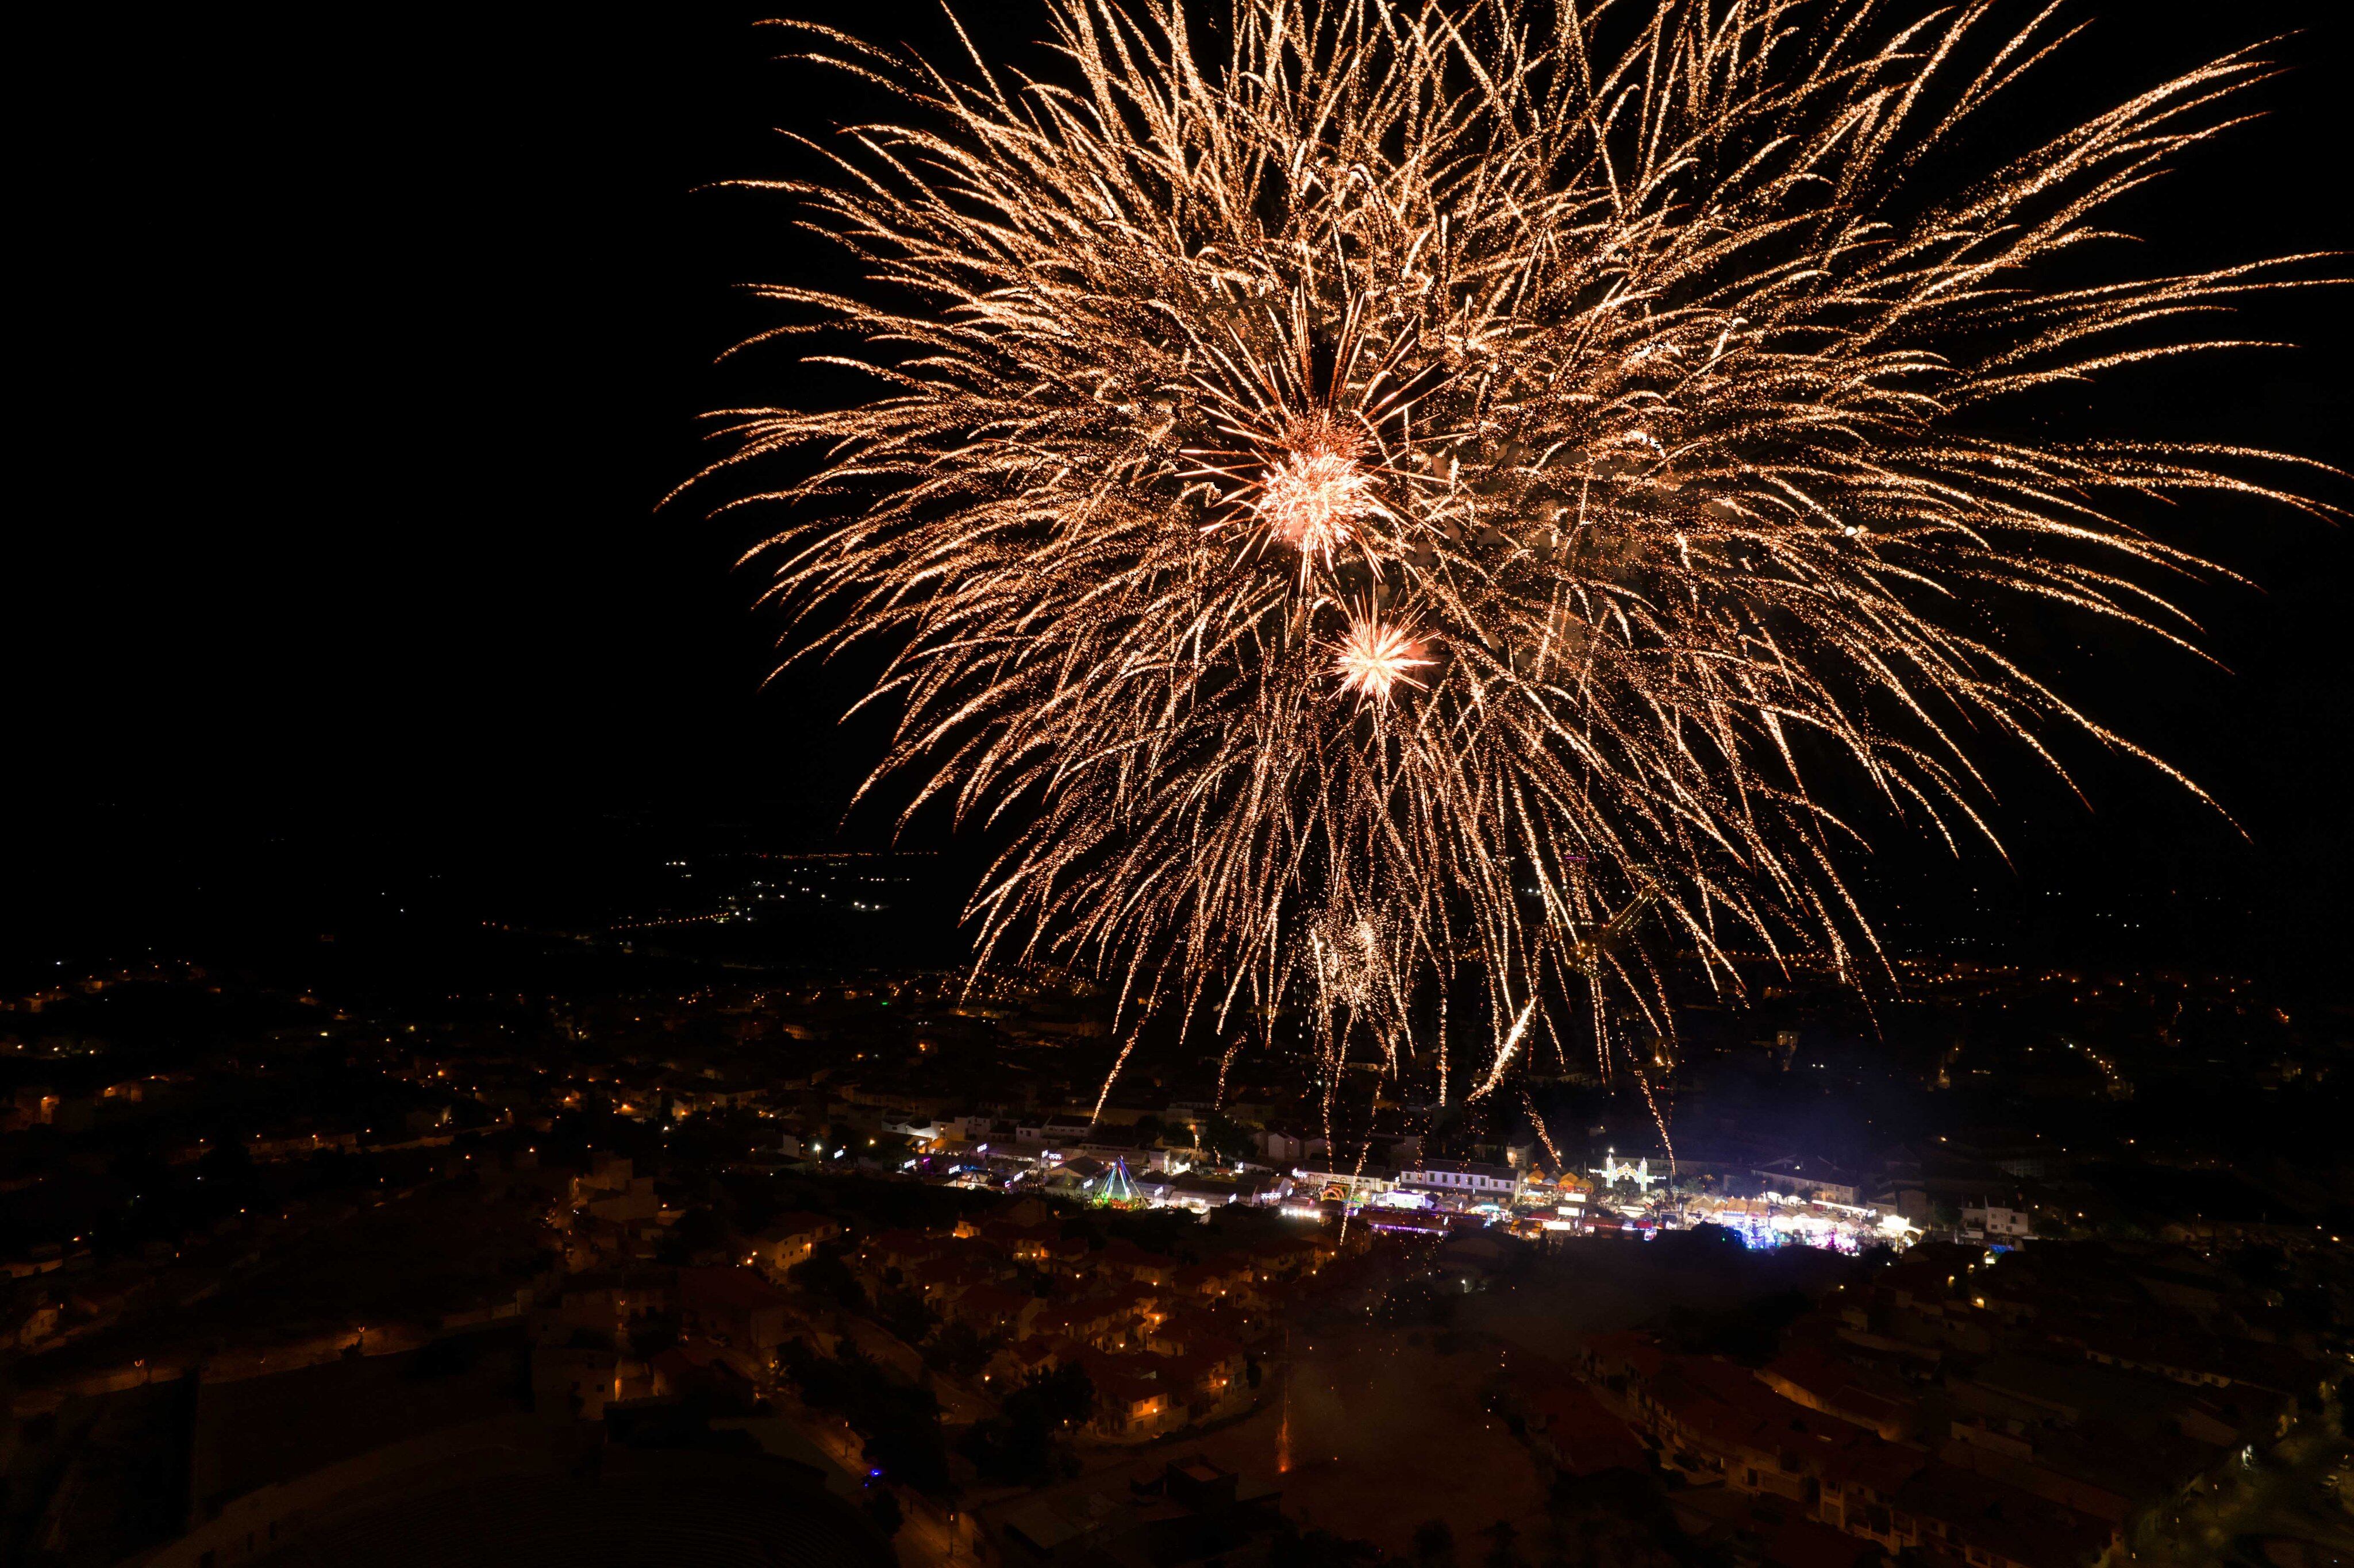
1600, 389
1315, 490
1375, 659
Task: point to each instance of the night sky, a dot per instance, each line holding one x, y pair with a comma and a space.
363, 350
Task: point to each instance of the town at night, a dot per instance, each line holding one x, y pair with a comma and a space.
1188, 784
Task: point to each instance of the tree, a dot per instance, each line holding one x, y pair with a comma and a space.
754, 1203
1750, 1333
1018, 1448
882, 1508
824, 1273
1434, 1543
826, 1383
957, 1350
1500, 1536
1155, 1230
1229, 1139
698, 1230
903, 1313
901, 1424
1063, 1397
1009, 1453
1706, 1239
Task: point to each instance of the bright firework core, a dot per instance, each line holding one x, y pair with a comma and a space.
1373, 659
1313, 494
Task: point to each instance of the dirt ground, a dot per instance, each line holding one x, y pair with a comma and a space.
1382, 1433
1599, 1285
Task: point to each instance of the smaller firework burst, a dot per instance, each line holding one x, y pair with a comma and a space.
1316, 490
1375, 657
1350, 955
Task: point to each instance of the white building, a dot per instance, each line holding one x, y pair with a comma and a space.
1282, 1148
1997, 1224
1463, 1181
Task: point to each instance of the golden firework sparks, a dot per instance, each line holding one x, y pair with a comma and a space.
1626, 363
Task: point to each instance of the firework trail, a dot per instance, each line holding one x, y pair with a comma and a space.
1370, 487
1504, 1053
1537, 1120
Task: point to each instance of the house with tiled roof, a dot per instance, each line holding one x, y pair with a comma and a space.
1102, 1320
1015, 1364
1713, 1420
995, 1311
1287, 1257
1825, 1383
945, 1277
1958, 1518
1064, 1319
1858, 1486
1133, 1399
1823, 1458
791, 1238
1202, 1386
1024, 1243
1124, 1258
1232, 1274
1192, 1332
1136, 1308
1568, 1425
1621, 1359
734, 1306
901, 1249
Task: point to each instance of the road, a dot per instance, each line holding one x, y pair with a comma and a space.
930, 1537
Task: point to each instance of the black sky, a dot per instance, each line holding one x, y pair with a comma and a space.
362, 350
